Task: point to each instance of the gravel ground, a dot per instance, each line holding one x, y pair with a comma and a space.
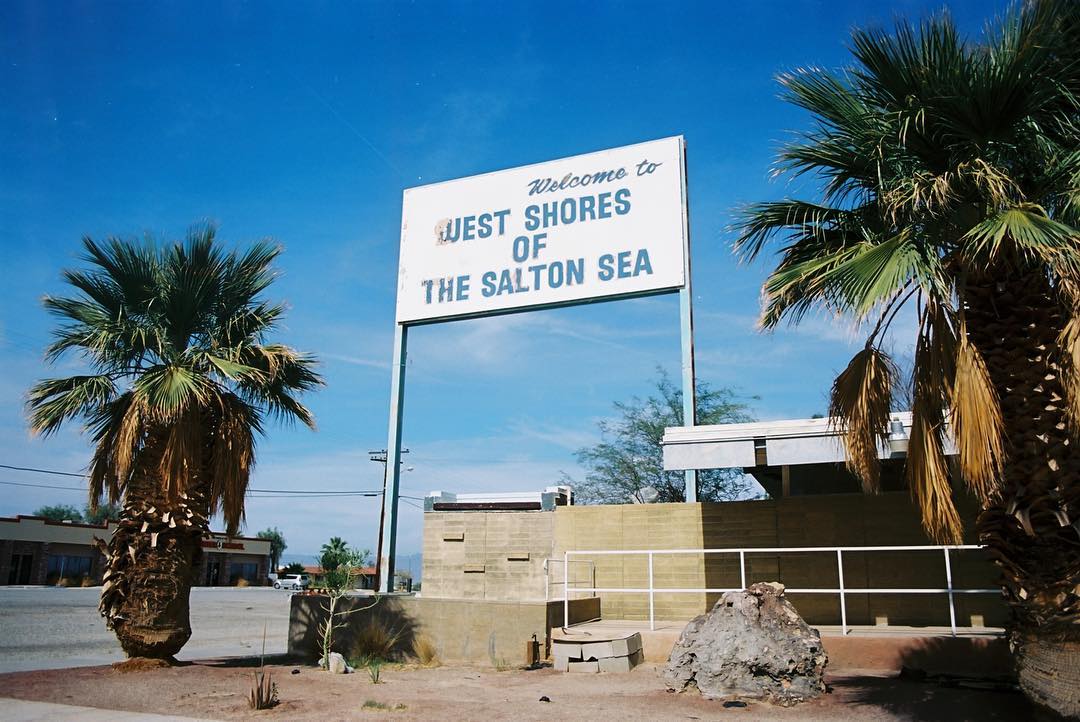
218, 691
53, 627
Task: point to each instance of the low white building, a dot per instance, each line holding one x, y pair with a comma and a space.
34, 550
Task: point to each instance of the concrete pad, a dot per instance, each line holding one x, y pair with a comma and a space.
17, 710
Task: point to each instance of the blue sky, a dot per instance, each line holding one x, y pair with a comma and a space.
304, 122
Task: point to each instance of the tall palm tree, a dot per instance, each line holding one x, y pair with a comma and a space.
181, 379
950, 184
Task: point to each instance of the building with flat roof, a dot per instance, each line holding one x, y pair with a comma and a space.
35, 550
793, 457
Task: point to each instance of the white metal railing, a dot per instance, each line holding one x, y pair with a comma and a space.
565, 581
840, 590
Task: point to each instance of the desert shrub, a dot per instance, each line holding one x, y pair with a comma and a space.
88, 582
241, 582
264, 691
424, 651
63, 582
373, 669
375, 640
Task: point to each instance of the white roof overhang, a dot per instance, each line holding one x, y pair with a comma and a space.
789, 442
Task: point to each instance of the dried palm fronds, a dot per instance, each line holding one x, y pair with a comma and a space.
860, 403
977, 424
934, 376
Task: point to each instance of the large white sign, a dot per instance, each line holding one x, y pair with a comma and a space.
592, 226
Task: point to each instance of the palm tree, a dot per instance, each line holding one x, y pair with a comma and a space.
951, 186
181, 379
332, 553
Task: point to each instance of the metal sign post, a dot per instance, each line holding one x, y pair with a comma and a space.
686, 336
393, 460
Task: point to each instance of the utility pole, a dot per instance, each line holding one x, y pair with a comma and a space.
380, 456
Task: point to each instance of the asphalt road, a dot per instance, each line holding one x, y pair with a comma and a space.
52, 627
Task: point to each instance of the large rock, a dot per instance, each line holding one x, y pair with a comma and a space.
752, 644
337, 664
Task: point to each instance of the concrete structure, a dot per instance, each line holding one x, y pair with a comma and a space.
34, 550
856, 519
516, 556
579, 651
485, 583
492, 547
484, 632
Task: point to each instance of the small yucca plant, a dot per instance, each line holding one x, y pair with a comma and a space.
264, 694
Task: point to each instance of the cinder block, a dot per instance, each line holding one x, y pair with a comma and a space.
596, 650
620, 664
566, 649
587, 667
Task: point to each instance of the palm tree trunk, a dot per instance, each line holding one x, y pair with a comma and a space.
1032, 529
151, 560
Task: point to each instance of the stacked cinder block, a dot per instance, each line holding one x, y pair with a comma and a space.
611, 655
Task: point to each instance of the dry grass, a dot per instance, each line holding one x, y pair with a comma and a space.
375, 641
88, 582
241, 582
424, 651
374, 706
140, 664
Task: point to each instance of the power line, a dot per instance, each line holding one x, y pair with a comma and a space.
42, 471
42, 486
263, 493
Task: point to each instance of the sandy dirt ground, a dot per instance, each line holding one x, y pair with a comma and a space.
218, 690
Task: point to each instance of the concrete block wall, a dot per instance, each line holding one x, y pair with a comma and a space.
637, 526
483, 632
494, 555
886, 519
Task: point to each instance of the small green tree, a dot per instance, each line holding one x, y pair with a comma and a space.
337, 583
629, 457
59, 512
293, 568
103, 513
277, 544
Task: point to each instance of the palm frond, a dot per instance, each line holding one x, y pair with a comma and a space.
167, 390
53, 401
1069, 360
232, 457
1025, 227
116, 429
933, 376
859, 405
977, 423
